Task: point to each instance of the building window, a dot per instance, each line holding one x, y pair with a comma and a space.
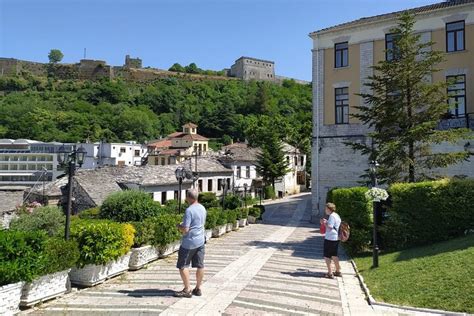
287, 160
176, 195
123, 149
228, 183
137, 153
247, 172
342, 105
296, 160
239, 172
163, 161
200, 185
163, 198
209, 185
219, 184
341, 54
455, 36
390, 47
302, 161
457, 95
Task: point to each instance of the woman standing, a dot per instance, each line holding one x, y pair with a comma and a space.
331, 239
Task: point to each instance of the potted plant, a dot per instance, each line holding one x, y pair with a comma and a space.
211, 222
242, 216
143, 251
221, 223
59, 257
231, 220
104, 250
166, 234
20, 261
254, 214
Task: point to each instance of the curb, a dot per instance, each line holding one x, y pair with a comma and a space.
374, 303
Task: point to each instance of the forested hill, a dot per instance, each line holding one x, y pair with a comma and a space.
75, 111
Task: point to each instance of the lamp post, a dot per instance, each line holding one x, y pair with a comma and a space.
70, 160
375, 253
224, 193
182, 173
245, 194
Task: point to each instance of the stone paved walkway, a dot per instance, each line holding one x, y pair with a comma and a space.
275, 267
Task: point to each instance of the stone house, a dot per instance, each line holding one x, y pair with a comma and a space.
294, 181
343, 56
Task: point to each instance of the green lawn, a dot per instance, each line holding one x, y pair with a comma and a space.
440, 276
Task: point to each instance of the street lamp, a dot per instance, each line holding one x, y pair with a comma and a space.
245, 194
181, 173
375, 254
69, 160
224, 194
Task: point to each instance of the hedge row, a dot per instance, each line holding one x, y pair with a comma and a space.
427, 212
354, 208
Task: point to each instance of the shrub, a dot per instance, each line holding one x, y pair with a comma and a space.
172, 207
91, 213
243, 213
269, 192
129, 206
222, 217
355, 209
144, 232
47, 218
231, 216
254, 211
208, 199
232, 201
21, 256
101, 241
60, 255
165, 229
212, 217
427, 212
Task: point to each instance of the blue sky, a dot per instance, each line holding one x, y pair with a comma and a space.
211, 33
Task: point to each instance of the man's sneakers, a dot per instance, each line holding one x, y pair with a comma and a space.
188, 294
183, 293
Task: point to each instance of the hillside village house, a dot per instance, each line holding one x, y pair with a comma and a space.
342, 60
113, 154
178, 146
294, 181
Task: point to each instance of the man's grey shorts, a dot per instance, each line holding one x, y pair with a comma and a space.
188, 256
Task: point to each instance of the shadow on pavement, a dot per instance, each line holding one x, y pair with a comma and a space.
147, 292
305, 273
310, 248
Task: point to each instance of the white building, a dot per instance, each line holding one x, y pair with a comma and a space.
26, 162
113, 154
295, 180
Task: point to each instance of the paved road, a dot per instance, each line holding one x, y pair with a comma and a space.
274, 267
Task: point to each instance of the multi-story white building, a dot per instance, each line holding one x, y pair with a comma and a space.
113, 154
26, 162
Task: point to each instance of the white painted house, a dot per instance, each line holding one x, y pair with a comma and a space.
295, 180
113, 154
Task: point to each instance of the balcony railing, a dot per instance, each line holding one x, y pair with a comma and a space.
457, 122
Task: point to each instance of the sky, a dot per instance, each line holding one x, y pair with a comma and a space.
211, 33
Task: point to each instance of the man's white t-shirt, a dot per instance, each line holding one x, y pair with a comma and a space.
334, 221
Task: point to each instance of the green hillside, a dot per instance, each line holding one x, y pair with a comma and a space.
73, 111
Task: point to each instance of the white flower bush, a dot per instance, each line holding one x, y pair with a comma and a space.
376, 194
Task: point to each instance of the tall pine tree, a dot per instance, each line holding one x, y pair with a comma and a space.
271, 162
404, 108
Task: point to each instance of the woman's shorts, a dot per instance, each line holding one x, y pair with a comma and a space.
330, 248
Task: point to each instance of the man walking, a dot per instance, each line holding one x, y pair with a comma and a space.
192, 244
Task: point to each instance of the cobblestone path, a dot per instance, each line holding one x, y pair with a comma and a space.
275, 267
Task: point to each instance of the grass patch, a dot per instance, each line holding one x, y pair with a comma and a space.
440, 276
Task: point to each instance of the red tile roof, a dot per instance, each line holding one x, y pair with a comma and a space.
192, 137
163, 143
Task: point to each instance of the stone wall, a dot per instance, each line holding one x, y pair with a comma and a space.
132, 62
8, 67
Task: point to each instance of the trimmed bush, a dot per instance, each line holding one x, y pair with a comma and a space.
232, 201
60, 255
255, 212
21, 255
129, 206
49, 219
91, 213
222, 217
212, 217
144, 233
269, 192
172, 207
231, 216
165, 228
101, 241
208, 199
242, 213
355, 209
427, 212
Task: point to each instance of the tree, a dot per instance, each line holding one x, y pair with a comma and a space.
192, 68
271, 162
55, 56
177, 68
404, 109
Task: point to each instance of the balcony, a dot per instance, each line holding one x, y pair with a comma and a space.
457, 122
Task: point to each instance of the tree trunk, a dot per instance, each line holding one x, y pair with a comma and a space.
411, 143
